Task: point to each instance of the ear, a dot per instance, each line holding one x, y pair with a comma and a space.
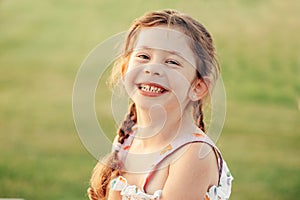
123, 69
199, 89
124, 64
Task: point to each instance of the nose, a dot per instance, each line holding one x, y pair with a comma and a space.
153, 70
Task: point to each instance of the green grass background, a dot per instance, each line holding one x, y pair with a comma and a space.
42, 44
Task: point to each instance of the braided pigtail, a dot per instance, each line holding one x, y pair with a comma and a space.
198, 114
128, 123
103, 174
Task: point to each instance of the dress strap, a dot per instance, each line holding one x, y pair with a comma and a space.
176, 145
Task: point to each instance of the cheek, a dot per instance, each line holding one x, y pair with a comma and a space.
131, 64
130, 80
180, 84
130, 70
128, 84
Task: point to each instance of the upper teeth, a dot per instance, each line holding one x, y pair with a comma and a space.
148, 88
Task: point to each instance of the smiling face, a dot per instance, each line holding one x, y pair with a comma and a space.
160, 69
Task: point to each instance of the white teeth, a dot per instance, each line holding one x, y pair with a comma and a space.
153, 89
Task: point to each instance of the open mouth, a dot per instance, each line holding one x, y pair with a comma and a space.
151, 88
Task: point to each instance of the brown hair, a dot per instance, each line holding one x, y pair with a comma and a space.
207, 66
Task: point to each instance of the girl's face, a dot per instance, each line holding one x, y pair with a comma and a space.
161, 69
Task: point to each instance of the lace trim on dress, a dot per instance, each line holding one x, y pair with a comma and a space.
132, 192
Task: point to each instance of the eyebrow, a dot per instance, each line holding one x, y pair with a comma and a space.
172, 52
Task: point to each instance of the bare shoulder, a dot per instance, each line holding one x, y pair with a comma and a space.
194, 171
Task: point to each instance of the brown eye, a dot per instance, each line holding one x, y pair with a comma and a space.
143, 56
173, 62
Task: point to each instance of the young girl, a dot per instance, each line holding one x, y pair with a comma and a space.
168, 67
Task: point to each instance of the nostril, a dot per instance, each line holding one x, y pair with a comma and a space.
152, 71
147, 71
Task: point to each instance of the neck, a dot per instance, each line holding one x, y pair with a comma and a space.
158, 127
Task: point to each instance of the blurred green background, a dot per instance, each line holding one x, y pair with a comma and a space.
43, 43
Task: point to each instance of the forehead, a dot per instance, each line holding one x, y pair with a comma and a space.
166, 39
